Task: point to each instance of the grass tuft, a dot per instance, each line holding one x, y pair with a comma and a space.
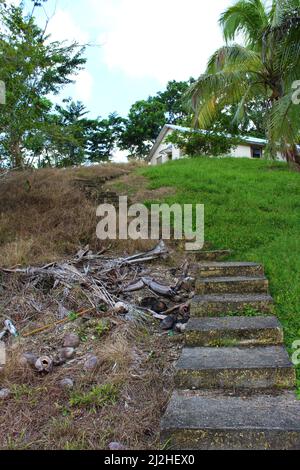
97, 397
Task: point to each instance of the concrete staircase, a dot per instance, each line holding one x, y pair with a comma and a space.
234, 380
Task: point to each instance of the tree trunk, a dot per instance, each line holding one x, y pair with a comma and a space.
292, 157
16, 154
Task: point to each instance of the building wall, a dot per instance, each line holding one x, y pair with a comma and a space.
280, 157
159, 158
241, 151
176, 153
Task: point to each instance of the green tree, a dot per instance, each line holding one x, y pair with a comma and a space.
217, 140
69, 138
263, 69
172, 98
102, 136
32, 67
200, 143
145, 119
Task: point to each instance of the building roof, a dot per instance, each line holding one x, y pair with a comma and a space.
244, 139
168, 149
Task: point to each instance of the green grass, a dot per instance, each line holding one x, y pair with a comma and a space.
97, 397
253, 208
102, 327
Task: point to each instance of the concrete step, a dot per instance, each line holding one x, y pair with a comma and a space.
213, 304
233, 331
257, 368
206, 270
216, 255
212, 421
232, 285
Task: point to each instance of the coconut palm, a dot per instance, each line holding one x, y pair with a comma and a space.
264, 67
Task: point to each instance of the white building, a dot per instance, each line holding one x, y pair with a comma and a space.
162, 151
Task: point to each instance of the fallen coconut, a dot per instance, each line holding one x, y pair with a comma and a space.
116, 446
29, 358
189, 284
5, 393
91, 363
168, 323
120, 308
66, 353
66, 384
184, 311
154, 304
180, 327
44, 364
71, 340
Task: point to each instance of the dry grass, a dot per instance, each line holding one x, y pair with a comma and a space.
44, 216
137, 189
137, 362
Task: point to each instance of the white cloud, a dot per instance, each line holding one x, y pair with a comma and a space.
63, 27
83, 87
16, 3
161, 39
120, 156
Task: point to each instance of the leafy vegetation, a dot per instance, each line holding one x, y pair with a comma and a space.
35, 132
264, 68
32, 68
102, 327
147, 117
208, 143
98, 397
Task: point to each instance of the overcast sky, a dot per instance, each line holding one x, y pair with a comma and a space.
138, 45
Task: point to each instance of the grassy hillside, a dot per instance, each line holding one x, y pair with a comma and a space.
44, 215
252, 207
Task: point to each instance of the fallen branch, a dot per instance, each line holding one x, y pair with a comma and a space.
57, 323
176, 307
100, 281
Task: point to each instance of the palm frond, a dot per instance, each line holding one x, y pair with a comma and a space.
253, 92
264, 69
234, 57
248, 17
281, 10
213, 92
284, 121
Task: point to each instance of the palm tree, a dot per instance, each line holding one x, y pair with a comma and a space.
264, 67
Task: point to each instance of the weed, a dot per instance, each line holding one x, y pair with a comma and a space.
223, 342
102, 328
27, 392
247, 312
82, 335
76, 444
73, 316
97, 397
17, 442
